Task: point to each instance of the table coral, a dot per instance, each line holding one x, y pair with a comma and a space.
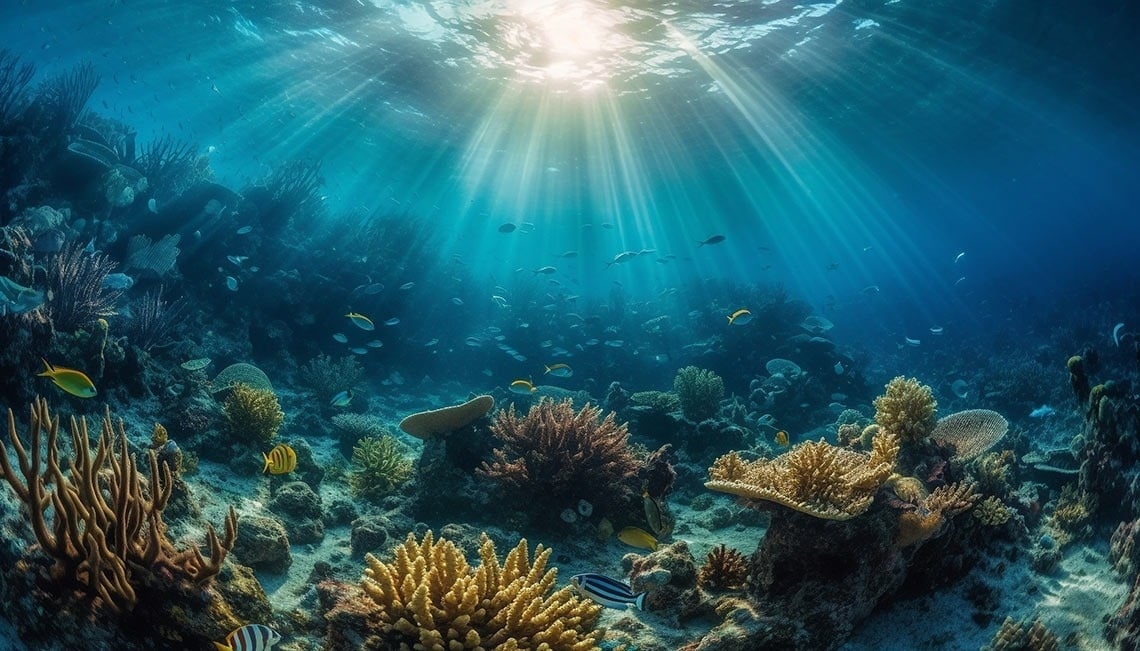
428, 597
813, 477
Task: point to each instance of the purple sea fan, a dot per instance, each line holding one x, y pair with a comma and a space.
77, 295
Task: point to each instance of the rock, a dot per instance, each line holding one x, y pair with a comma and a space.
262, 544
369, 534
300, 510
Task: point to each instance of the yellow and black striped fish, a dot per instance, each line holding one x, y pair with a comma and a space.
280, 460
251, 637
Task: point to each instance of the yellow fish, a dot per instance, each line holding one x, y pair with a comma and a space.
280, 460
361, 321
523, 387
639, 538
740, 317
74, 382
782, 438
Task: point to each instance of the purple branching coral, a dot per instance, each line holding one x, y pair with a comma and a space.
78, 296
553, 457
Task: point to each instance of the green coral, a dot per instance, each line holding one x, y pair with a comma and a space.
379, 467
906, 409
658, 401
700, 392
246, 374
253, 413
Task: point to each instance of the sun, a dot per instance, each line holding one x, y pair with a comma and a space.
572, 40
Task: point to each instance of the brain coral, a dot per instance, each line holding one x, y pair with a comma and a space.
430, 598
906, 409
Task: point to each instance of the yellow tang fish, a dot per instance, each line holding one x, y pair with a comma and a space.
740, 317
782, 438
639, 538
361, 321
74, 382
280, 460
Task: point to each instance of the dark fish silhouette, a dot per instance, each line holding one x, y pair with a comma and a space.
715, 239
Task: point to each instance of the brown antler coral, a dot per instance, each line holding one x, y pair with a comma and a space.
563, 455
429, 598
814, 477
107, 522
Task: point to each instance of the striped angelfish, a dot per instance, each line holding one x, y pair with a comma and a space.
611, 593
251, 637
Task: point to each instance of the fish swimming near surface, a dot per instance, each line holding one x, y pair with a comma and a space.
608, 592
560, 370
251, 637
740, 317
341, 399
361, 321
280, 460
715, 239
782, 438
522, 387
70, 380
640, 538
1044, 411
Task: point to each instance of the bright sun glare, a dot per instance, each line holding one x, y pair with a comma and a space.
559, 39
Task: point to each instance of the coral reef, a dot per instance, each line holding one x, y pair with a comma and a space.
1023, 636
906, 409
108, 526
724, 569
77, 295
668, 577
254, 414
326, 377
556, 456
813, 477
379, 467
971, 432
428, 597
927, 519
699, 391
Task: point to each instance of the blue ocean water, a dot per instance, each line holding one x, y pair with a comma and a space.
505, 185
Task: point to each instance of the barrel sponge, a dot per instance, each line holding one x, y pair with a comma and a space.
814, 477
428, 597
906, 409
447, 419
971, 432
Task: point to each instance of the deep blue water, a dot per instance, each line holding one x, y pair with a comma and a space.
848, 151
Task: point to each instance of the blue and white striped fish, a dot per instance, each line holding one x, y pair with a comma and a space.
251, 637
611, 593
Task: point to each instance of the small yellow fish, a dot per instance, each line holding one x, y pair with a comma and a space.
280, 460
361, 321
740, 317
639, 538
523, 387
74, 382
782, 438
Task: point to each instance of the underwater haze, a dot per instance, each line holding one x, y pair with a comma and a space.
286, 232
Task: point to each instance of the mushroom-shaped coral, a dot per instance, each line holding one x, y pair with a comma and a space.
971, 432
906, 409
814, 477
428, 597
447, 419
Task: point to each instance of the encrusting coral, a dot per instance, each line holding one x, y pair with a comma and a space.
428, 597
906, 409
253, 413
379, 467
562, 456
813, 477
699, 391
107, 523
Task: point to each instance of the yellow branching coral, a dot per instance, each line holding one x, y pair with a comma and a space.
379, 466
906, 409
926, 520
814, 477
430, 598
254, 413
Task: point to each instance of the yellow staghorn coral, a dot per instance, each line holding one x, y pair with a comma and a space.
927, 519
906, 409
814, 477
430, 598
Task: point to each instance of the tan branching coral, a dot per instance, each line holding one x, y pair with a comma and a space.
724, 569
1023, 636
556, 456
813, 477
924, 521
106, 523
430, 598
906, 409
971, 432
